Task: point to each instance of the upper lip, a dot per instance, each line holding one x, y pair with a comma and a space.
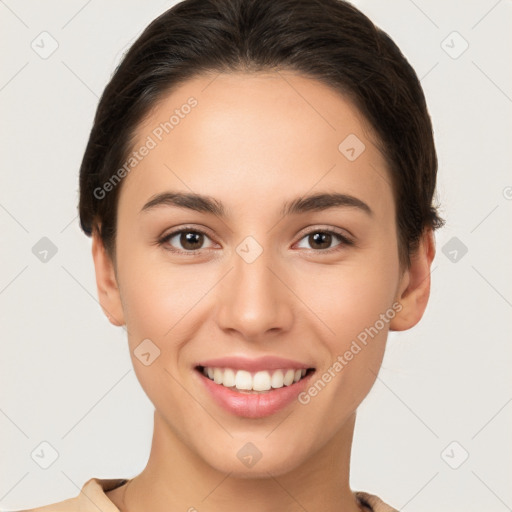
254, 364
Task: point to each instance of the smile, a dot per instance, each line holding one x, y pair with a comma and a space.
245, 381
253, 388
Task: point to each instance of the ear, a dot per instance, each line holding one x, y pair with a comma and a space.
414, 288
106, 282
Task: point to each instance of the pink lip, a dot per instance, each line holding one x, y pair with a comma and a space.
253, 405
254, 364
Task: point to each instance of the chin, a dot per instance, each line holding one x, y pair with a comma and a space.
249, 462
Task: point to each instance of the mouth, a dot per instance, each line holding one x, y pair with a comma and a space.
253, 388
263, 381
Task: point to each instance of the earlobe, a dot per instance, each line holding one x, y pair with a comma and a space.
106, 282
414, 289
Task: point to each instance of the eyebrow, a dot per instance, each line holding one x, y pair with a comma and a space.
303, 204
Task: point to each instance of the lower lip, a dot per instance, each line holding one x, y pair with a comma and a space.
254, 405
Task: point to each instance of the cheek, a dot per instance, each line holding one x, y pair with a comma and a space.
349, 297
158, 301
356, 305
354, 301
157, 295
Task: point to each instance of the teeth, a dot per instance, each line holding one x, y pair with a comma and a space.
260, 381
218, 376
288, 377
277, 379
229, 378
243, 380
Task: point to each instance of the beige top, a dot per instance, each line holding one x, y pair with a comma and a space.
92, 498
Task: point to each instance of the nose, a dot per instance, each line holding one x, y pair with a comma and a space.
254, 299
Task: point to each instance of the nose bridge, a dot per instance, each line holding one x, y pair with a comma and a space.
254, 300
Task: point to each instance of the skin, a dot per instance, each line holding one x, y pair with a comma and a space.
253, 142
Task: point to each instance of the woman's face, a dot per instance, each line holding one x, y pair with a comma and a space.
260, 282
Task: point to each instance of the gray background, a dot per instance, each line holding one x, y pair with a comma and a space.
66, 379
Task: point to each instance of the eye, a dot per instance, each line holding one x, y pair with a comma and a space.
322, 239
191, 240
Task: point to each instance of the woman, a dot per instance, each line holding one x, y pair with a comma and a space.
258, 185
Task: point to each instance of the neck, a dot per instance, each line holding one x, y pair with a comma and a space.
175, 478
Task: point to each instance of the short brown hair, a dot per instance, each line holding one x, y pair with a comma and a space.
328, 40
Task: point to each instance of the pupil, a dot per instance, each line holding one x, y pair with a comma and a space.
323, 239
189, 239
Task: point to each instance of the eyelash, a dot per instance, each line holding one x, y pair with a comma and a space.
344, 241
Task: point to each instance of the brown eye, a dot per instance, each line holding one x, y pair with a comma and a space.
322, 240
191, 240
185, 240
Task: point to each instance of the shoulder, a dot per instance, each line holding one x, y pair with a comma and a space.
373, 503
69, 505
91, 498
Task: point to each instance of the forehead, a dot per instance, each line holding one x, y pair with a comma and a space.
265, 135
